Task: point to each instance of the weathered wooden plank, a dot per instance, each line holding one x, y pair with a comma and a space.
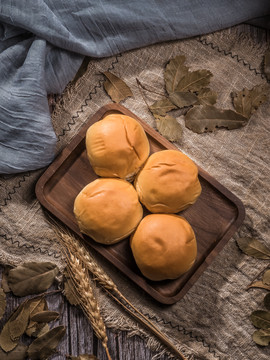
80, 338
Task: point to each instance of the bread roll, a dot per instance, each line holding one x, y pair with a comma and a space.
117, 146
164, 246
108, 210
168, 182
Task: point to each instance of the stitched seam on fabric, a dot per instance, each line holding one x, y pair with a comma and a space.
185, 332
55, 254
233, 56
14, 190
89, 98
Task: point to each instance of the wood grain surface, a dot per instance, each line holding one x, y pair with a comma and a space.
214, 217
80, 338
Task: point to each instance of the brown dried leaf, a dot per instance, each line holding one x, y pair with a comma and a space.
175, 70
260, 319
4, 283
266, 277
14, 327
261, 337
183, 99
169, 127
19, 353
41, 330
207, 97
208, 118
45, 316
161, 107
254, 247
2, 303
35, 306
6, 343
246, 102
32, 278
259, 284
45, 345
18, 325
194, 81
266, 64
116, 88
266, 301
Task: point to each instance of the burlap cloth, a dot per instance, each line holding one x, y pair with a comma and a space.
211, 321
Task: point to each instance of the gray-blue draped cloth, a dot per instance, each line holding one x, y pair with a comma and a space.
43, 43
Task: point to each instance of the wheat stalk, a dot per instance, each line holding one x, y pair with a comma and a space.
84, 294
75, 246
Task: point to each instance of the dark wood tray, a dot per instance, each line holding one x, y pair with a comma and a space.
214, 217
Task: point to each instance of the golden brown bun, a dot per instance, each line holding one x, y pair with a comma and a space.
117, 146
168, 182
108, 210
164, 246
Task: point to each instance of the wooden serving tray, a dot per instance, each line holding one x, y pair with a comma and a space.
214, 217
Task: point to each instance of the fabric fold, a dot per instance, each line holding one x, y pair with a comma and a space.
43, 42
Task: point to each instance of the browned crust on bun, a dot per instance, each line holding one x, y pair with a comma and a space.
168, 182
164, 246
108, 210
117, 146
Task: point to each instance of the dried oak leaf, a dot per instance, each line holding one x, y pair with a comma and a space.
19, 353
254, 247
260, 319
175, 70
266, 64
246, 102
32, 278
183, 99
261, 337
194, 81
2, 303
161, 107
116, 88
169, 127
266, 301
45, 345
206, 97
207, 118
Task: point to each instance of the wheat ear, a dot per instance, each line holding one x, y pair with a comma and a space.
85, 296
74, 244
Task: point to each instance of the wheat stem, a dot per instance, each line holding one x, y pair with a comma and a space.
144, 321
106, 282
81, 281
74, 246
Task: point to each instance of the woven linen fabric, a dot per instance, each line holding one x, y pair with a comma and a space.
42, 44
212, 320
